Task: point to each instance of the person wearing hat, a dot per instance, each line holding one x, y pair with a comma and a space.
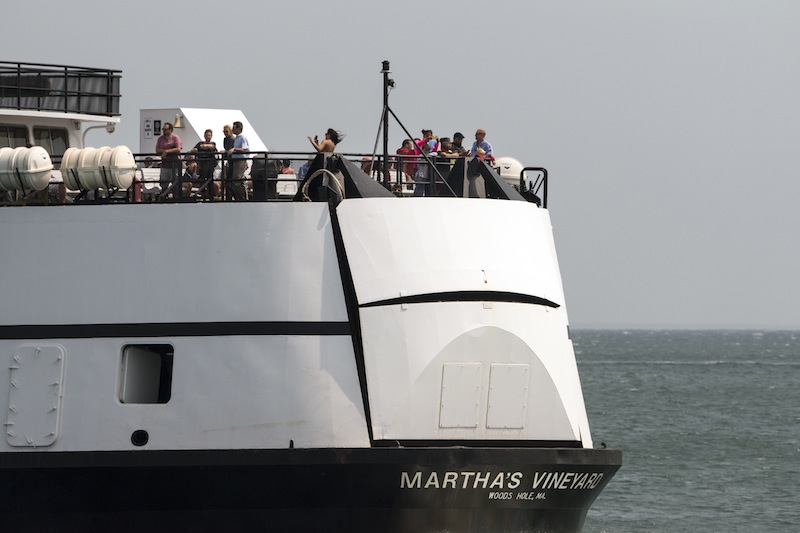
481, 143
457, 147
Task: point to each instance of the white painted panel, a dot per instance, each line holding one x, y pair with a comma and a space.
461, 395
447, 244
406, 349
244, 262
34, 400
227, 392
508, 396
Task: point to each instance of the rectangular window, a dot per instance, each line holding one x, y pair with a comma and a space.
146, 373
54, 140
13, 136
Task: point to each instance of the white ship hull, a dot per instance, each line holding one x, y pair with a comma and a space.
387, 354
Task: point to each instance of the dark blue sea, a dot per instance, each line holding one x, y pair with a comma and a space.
709, 425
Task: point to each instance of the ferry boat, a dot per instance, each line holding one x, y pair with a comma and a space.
340, 358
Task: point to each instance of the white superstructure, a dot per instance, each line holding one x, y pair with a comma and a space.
190, 123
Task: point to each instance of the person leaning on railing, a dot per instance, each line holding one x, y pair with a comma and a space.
457, 147
481, 144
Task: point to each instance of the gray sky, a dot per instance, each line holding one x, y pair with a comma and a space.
670, 128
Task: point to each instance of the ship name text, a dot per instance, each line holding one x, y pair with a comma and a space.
500, 480
566, 480
461, 480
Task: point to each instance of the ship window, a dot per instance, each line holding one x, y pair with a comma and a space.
13, 136
54, 140
146, 373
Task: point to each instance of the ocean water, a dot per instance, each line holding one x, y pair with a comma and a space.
709, 425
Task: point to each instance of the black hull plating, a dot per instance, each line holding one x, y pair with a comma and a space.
387, 490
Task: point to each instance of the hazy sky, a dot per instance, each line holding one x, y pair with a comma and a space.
670, 128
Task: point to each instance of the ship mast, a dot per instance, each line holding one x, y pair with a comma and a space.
387, 84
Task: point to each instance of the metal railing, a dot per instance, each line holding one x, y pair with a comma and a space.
277, 176
535, 189
59, 88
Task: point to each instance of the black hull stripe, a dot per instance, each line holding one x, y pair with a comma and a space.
175, 329
443, 457
397, 490
477, 443
466, 296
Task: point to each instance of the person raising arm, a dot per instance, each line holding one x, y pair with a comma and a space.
332, 138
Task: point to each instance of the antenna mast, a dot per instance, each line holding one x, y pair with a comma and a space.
387, 84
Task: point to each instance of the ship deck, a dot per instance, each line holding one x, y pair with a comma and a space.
266, 180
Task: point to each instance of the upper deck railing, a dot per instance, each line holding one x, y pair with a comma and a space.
212, 180
59, 88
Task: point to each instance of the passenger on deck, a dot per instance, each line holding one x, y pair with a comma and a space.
57, 193
138, 189
429, 138
206, 151
406, 163
458, 137
227, 144
191, 178
239, 154
481, 142
446, 148
447, 155
483, 155
229, 137
332, 138
169, 147
366, 165
285, 166
423, 172
54, 193
407, 148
